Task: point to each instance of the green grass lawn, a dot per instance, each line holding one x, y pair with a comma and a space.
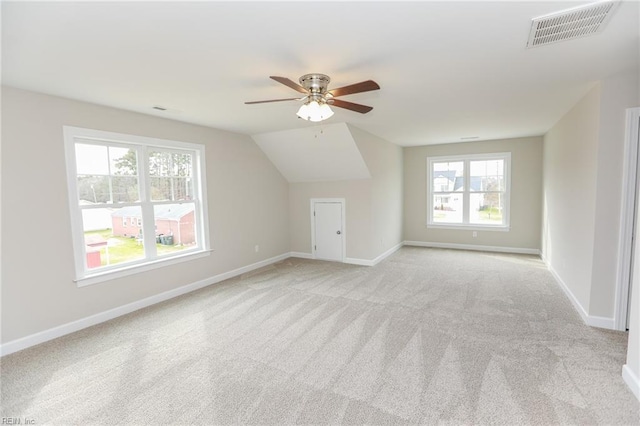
492, 214
123, 249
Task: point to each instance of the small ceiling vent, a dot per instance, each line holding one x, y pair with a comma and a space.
571, 23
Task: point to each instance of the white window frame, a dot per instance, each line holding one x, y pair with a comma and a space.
85, 276
466, 159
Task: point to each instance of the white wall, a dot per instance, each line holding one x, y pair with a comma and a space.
526, 187
617, 94
385, 163
583, 157
631, 370
248, 205
373, 206
357, 195
633, 348
569, 195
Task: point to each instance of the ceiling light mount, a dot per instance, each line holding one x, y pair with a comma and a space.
315, 83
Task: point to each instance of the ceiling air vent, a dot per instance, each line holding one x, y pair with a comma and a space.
571, 23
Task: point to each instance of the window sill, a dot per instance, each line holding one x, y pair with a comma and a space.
136, 269
470, 227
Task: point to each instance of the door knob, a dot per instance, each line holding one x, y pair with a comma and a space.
338, 232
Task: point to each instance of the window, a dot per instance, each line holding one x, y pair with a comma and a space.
468, 191
155, 186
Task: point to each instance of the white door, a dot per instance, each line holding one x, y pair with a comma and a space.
328, 230
629, 251
636, 125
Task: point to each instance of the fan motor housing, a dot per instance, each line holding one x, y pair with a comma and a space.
315, 83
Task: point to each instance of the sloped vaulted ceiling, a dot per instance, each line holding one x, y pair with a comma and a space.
448, 70
313, 154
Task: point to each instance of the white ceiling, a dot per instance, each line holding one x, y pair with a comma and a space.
447, 70
312, 154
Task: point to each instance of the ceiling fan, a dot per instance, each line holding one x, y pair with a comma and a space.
317, 97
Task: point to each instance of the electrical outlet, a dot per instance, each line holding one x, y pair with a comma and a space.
475, 234
257, 248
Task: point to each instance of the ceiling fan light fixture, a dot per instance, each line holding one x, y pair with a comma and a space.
303, 112
318, 99
325, 111
314, 111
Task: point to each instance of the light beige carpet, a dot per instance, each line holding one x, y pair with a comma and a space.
428, 336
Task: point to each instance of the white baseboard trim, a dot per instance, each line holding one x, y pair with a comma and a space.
574, 301
590, 320
388, 253
64, 329
601, 322
301, 255
352, 261
473, 247
361, 262
248, 268
631, 380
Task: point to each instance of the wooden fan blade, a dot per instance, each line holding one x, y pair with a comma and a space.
364, 86
272, 100
363, 109
287, 82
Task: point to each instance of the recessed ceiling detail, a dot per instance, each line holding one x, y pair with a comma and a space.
571, 23
315, 154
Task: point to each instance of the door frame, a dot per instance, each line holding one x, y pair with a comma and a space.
342, 202
628, 214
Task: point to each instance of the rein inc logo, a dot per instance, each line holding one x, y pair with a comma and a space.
17, 421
